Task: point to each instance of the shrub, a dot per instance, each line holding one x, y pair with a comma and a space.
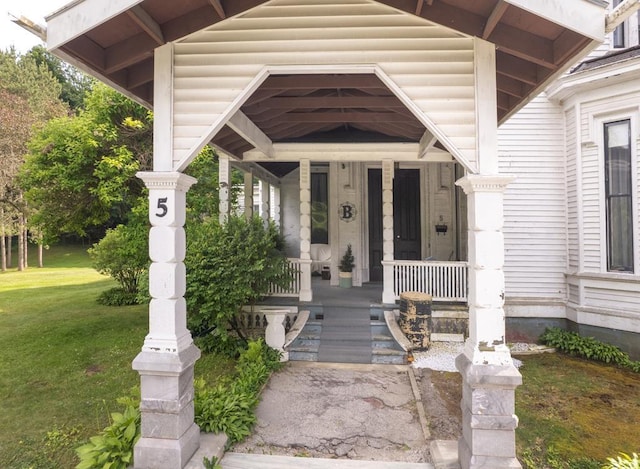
123, 255
587, 347
228, 266
117, 297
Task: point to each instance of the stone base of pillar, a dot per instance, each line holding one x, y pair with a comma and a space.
306, 293
488, 420
169, 436
156, 453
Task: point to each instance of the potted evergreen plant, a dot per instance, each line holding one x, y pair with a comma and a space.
346, 268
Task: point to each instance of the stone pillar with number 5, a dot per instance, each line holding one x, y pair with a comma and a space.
169, 435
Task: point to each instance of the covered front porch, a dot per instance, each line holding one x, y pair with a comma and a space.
362, 86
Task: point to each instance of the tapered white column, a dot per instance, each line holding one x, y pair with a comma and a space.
388, 293
276, 205
305, 231
248, 195
265, 200
169, 435
223, 187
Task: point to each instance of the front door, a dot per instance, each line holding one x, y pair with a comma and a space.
406, 218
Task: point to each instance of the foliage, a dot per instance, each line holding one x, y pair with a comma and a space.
229, 265
122, 254
537, 457
113, 448
211, 463
587, 347
346, 263
80, 170
117, 297
74, 84
623, 461
229, 407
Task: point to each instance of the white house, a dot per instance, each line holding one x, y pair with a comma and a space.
572, 224
398, 103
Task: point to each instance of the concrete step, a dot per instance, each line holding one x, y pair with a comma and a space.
262, 461
386, 356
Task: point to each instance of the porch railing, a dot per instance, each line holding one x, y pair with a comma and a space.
292, 269
444, 281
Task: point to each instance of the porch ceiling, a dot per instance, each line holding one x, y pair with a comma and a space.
120, 50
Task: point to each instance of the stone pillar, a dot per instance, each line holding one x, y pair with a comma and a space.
224, 181
169, 435
274, 335
305, 231
388, 293
248, 195
489, 377
265, 200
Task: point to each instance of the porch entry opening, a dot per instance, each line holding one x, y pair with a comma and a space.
406, 218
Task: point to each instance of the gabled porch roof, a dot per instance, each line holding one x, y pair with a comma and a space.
535, 40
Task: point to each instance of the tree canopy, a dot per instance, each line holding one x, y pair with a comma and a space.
80, 170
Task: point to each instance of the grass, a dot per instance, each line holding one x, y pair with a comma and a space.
574, 413
65, 359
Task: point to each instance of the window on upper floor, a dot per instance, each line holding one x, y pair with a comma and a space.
618, 195
619, 33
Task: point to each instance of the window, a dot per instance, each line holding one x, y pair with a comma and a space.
618, 195
618, 33
319, 209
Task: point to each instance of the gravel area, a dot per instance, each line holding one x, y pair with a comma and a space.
441, 356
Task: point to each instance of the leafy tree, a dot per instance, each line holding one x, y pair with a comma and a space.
80, 170
28, 98
74, 85
229, 265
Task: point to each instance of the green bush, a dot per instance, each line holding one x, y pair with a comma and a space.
123, 255
228, 266
113, 448
623, 461
587, 347
117, 297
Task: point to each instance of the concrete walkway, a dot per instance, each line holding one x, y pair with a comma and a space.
328, 415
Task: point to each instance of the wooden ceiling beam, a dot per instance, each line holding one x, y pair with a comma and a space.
494, 18
517, 68
147, 23
328, 102
140, 73
344, 117
524, 45
250, 132
129, 52
512, 87
217, 6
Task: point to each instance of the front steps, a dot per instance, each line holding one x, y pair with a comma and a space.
347, 335
262, 461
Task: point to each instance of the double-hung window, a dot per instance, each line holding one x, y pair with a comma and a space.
618, 195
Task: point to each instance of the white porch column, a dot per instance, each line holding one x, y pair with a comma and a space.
223, 187
169, 435
265, 200
388, 293
489, 378
305, 231
248, 195
276, 205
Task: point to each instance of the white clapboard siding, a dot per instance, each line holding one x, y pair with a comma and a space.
433, 65
535, 203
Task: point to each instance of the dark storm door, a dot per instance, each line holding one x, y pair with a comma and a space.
406, 214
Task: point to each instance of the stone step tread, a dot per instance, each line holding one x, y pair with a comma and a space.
262, 461
387, 351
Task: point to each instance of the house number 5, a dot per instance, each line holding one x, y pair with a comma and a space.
162, 207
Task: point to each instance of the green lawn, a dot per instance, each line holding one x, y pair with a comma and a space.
65, 358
